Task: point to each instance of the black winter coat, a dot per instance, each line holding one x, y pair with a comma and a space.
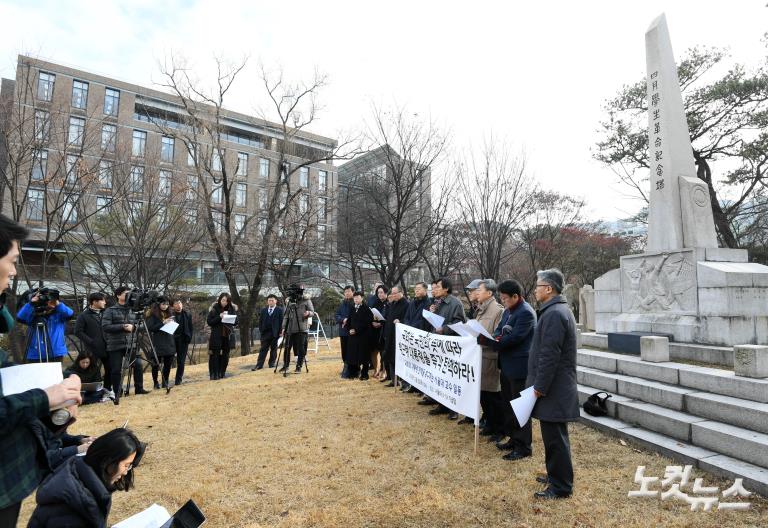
164, 343
376, 336
395, 312
185, 330
359, 344
90, 332
221, 333
552, 363
112, 322
72, 497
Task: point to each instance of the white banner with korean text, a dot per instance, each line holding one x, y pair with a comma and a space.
445, 368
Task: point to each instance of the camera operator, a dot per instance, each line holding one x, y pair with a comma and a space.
44, 306
118, 323
20, 471
90, 332
295, 327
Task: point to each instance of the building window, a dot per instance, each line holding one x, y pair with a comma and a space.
322, 180
139, 143
191, 187
216, 195
76, 130
190, 215
242, 164
218, 221
241, 194
39, 165
191, 155
164, 183
262, 226
304, 177
42, 125
134, 207
35, 198
166, 149
105, 174
111, 102
216, 159
162, 216
136, 182
108, 136
69, 210
322, 209
264, 168
262, 199
79, 94
45, 82
73, 168
303, 204
321, 235
102, 204
239, 223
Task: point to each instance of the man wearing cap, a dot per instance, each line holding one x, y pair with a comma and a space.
471, 290
552, 373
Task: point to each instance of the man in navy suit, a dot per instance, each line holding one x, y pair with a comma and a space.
514, 337
269, 326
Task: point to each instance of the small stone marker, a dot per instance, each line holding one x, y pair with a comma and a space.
750, 361
654, 349
578, 337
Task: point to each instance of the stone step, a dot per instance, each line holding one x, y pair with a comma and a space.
726, 409
750, 446
714, 355
755, 477
714, 380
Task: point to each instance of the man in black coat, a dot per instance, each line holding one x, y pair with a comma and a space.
88, 329
342, 317
396, 309
358, 347
269, 329
552, 373
182, 336
514, 336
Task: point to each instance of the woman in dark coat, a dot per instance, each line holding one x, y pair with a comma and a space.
358, 346
222, 336
164, 343
78, 494
87, 369
377, 332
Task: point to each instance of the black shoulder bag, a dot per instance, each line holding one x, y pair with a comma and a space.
596, 405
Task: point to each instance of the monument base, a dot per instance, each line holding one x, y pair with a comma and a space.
709, 296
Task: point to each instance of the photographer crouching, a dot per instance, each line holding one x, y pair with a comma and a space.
46, 316
295, 327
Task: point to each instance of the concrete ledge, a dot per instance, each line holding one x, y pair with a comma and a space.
658, 419
726, 409
724, 382
669, 396
596, 359
611, 404
747, 445
596, 378
663, 372
755, 477
594, 340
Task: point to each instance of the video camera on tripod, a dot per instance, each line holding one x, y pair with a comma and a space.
294, 293
43, 297
138, 300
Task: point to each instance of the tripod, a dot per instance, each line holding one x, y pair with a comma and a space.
39, 329
134, 345
290, 316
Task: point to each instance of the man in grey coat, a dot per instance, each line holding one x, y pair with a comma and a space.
552, 373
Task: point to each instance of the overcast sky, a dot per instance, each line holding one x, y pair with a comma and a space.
535, 73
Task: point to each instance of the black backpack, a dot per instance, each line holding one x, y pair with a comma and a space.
595, 405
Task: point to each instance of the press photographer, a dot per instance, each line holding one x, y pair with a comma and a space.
295, 326
46, 316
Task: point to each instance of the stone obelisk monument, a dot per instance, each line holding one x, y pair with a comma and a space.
680, 213
683, 285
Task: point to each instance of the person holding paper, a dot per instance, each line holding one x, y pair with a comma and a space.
488, 313
89, 331
395, 313
358, 354
377, 335
552, 373
158, 316
87, 369
20, 472
342, 319
79, 492
222, 336
182, 337
269, 332
513, 338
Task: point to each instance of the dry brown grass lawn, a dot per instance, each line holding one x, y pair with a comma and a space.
257, 449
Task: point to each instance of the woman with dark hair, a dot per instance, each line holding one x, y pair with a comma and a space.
376, 335
165, 346
87, 369
222, 336
79, 492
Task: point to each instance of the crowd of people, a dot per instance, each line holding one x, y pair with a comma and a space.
525, 350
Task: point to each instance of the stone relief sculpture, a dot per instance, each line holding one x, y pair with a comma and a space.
664, 282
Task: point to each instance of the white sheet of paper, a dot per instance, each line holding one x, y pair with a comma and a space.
22, 378
434, 319
170, 328
229, 319
476, 326
461, 329
153, 517
279, 341
523, 406
377, 315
